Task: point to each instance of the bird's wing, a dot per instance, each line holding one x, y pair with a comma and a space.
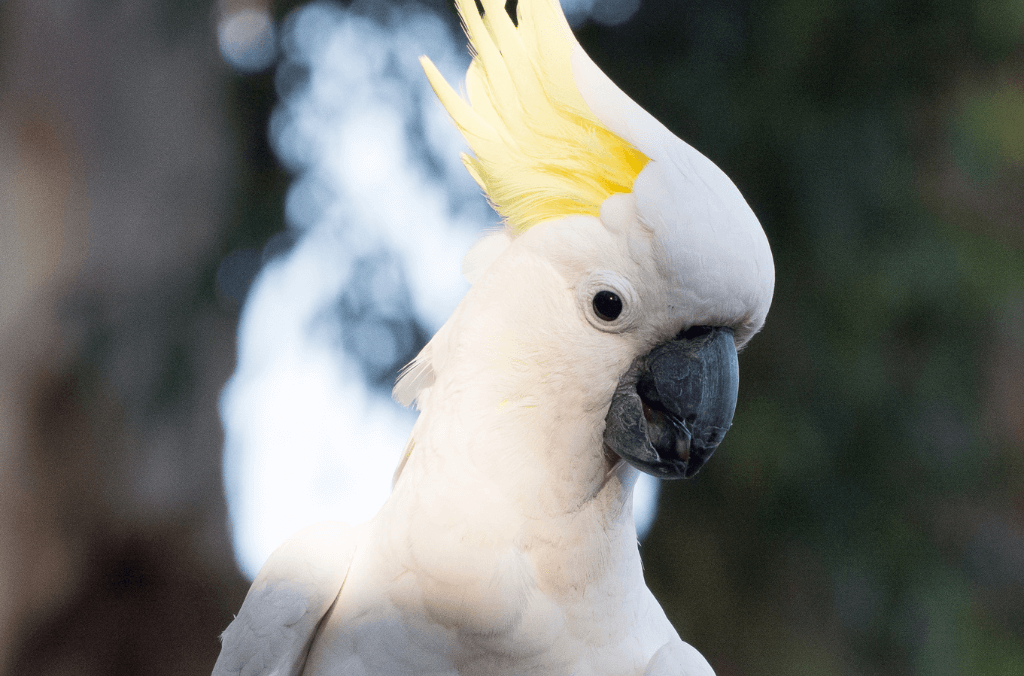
274, 629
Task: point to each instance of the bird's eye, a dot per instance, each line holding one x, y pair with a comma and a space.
608, 301
607, 305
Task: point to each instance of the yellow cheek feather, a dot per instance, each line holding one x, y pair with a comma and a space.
540, 153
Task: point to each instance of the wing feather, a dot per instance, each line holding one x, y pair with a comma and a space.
275, 627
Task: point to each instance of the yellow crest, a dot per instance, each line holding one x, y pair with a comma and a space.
540, 151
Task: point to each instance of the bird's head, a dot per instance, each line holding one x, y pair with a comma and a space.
630, 269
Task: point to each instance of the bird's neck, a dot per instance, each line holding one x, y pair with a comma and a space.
532, 475
570, 535
542, 451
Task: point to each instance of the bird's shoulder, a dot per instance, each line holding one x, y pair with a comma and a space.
294, 590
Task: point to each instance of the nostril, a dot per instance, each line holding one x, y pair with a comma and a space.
694, 332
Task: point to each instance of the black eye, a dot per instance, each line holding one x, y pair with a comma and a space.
607, 305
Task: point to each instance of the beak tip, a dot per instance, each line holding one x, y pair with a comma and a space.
698, 457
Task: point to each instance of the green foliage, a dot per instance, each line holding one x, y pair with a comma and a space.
990, 130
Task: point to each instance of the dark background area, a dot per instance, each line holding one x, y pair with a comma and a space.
865, 514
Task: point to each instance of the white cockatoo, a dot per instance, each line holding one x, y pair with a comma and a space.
599, 338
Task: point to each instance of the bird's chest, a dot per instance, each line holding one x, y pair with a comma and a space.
463, 611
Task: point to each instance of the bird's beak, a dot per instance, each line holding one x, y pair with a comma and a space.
674, 405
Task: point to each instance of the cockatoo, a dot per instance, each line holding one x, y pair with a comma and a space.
598, 339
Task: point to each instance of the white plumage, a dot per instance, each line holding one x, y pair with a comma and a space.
508, 545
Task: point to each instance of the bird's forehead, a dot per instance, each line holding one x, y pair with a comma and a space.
710, 240
578, 245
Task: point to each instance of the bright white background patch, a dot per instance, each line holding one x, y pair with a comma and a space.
377, 177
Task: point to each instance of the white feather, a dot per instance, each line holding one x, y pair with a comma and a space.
299, 583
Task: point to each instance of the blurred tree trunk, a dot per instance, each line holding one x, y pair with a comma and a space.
117, 171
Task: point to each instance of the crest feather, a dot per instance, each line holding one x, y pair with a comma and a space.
539, 151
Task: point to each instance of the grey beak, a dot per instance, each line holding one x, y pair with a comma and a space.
674, 405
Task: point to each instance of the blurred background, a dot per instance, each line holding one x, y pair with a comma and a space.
224, 226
